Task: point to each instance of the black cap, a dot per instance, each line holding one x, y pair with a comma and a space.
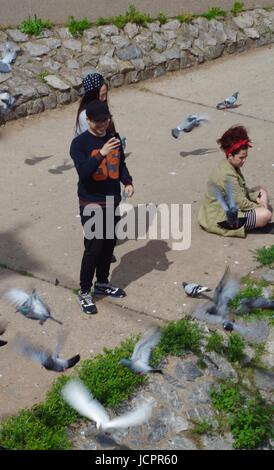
97, 110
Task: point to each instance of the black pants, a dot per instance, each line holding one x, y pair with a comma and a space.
97, 254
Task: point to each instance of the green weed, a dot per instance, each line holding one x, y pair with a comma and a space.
265, 255
76, 28
235, 347
34, 26
162, 17
238, 7
202, 427
214, 12
179, 337
215, 343
185, 17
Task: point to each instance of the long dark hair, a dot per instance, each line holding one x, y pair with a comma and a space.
87, 98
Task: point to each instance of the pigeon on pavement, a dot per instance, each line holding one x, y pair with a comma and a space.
228, 102
194, 290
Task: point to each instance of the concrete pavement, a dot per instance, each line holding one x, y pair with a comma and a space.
40, 227
13, 12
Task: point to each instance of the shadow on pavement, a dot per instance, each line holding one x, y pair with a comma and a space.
137, 263
13, 254
198, 152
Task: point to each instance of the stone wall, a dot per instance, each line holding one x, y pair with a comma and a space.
48, 70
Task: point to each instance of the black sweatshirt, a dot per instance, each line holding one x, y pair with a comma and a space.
98, 176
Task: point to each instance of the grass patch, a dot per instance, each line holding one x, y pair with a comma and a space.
235, 347
212, 13
132, 15
215, 342
201, 363
252, 425
259, 349
162, 17
186, 17
76, 28
202, 427
238, 7
34, 26
44, 426
250, 419
43, 75
26, 273
110, 383
265, 256
180, 337
253, 288
103, 20
27, 432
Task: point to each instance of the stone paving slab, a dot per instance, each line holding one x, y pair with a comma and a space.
40, 230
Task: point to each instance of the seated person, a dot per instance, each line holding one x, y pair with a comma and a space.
251, 203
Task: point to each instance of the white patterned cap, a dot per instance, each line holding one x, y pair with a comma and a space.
93, 81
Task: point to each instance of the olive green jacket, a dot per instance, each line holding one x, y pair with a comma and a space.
210, 212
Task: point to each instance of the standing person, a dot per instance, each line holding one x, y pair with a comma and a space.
95, 88
100, 162
252, 203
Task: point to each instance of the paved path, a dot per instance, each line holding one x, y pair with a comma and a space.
41, 233
13, 12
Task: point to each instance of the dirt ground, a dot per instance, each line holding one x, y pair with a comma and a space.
40, 227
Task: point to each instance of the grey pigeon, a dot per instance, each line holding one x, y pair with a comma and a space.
228, 102
3, 327
6, 101
139, 361
247, 305
31, 306
228, 204
188, 124
194, 290
79, 398
217, 312
8, 58
49, 360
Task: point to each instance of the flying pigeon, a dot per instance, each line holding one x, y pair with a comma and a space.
31, 306
3, 325
193, 290
79, 398
139, 361
227, 202
49, 360
247, 305
228, 102
193, 120
217, 312
8, 58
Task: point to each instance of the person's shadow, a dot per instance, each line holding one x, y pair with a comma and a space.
203, 151
137, 263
